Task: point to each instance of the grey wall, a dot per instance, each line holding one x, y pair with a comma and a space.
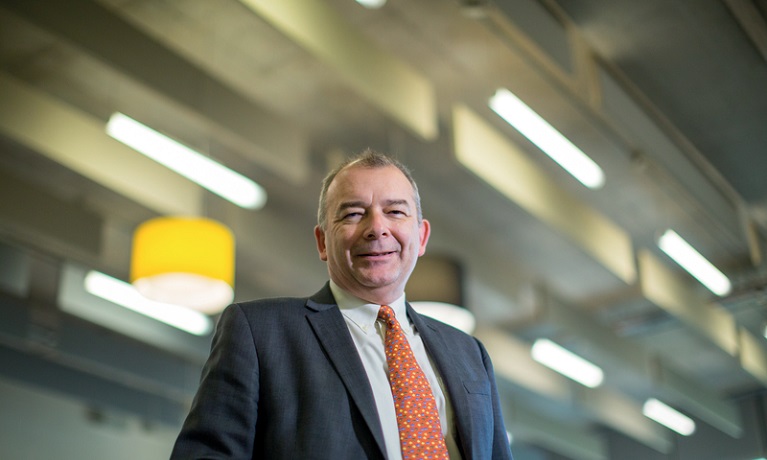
37, 424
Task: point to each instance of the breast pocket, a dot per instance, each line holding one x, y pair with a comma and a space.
480, 416
477, 387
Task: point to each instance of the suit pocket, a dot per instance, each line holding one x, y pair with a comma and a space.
479, 387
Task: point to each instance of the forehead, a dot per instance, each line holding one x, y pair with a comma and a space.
359, 182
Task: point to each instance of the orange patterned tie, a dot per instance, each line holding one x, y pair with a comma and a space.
420, 434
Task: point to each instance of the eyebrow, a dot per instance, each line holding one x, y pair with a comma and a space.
397, 202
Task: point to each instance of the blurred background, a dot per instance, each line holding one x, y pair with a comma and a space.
666, 101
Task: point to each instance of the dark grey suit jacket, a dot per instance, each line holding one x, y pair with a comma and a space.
284, 381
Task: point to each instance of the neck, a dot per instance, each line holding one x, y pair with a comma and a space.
379, 296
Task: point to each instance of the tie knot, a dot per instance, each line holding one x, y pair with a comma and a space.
387, 315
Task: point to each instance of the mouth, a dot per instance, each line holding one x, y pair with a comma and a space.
376, 254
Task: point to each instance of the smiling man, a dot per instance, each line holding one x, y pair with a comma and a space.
352, 372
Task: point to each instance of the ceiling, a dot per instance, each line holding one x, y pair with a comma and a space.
667, 97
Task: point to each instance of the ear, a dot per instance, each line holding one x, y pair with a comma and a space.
424, 230
319, 235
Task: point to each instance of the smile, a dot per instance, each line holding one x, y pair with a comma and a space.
375, 254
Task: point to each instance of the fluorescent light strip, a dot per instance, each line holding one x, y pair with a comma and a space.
125, 295
697, 265
193, 165
567, 363
552, 142
668, 417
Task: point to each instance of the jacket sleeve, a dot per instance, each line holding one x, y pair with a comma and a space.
501, 448
222, 420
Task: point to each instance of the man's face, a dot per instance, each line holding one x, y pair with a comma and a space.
372, 237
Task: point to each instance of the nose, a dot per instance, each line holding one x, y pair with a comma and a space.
376, 226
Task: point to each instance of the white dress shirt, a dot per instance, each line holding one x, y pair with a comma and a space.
368, 334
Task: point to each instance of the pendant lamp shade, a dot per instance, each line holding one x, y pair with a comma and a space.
184, 261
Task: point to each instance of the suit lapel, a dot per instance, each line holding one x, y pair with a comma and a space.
450, 373
333, 335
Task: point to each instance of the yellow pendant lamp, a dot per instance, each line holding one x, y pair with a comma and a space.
184, 261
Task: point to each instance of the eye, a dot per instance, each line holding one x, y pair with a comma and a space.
352, 215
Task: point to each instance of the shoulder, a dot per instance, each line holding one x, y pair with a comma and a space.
262, 309
283, 313
264, 320
283, 305
272, 303
450, 333
455, 338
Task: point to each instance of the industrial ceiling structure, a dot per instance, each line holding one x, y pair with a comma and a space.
668, 98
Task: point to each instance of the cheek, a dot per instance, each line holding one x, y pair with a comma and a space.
410, 243
346, 237
339, 244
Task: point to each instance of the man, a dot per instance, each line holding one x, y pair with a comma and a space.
307, 378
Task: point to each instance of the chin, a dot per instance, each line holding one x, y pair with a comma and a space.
375, 282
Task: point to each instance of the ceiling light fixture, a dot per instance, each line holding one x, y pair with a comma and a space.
668, 417
547, 138
125, 295
372, 4
695, 264
184, 261
567, 363
196, 167
458, 317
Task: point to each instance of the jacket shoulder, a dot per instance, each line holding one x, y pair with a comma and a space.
272, 302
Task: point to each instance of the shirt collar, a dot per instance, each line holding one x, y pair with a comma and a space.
364, 313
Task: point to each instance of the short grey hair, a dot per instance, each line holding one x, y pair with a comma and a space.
366, 159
